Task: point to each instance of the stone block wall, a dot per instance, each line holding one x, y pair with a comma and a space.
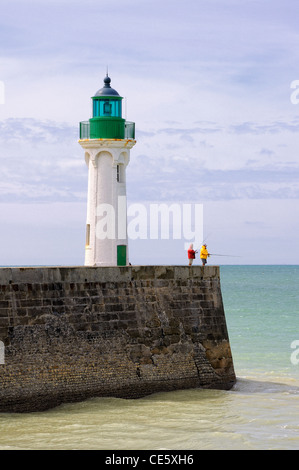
71, 333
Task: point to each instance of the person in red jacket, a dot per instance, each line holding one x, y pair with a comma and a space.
191, 254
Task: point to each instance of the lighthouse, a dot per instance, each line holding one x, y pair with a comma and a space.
107, 139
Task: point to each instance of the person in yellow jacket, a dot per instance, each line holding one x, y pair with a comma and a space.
204, 254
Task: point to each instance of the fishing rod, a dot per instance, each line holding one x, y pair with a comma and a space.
205, 239
231, 256
217, 254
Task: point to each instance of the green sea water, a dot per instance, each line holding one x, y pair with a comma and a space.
262, 312
260, 412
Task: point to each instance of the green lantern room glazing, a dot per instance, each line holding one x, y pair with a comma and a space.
107, 102
107, 121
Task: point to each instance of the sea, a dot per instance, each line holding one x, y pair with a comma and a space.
261, 412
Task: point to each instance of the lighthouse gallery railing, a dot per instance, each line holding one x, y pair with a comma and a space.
85, 130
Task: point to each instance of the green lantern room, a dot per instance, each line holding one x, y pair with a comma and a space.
107, 121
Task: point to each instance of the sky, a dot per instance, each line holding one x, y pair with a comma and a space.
213, 89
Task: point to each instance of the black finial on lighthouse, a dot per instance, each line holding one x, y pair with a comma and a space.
107, 90
107, 81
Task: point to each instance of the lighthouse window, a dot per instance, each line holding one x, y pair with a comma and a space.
96, 108
87, 235
117, 108
120, 173
120, 176
107, 108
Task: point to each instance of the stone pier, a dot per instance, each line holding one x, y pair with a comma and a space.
72, 333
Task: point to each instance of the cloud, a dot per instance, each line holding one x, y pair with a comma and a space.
275, 127
207, 83
36, 131
267, 152
185, 183
189, 131
41, 161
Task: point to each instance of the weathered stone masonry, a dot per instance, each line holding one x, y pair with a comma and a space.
71, 333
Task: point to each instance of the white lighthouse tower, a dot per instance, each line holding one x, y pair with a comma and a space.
107, 139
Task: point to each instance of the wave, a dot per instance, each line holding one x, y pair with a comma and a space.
246, 385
